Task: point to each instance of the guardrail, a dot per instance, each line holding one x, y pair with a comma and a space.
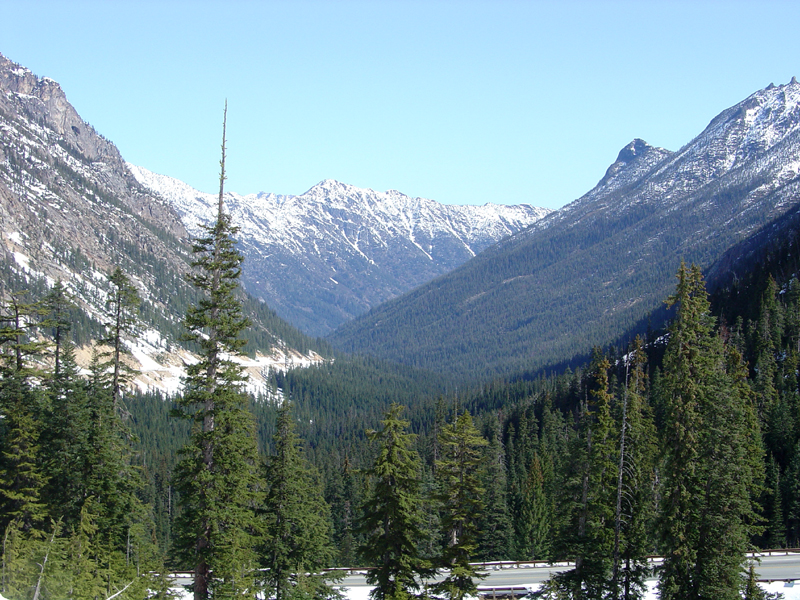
531, 564
517, 564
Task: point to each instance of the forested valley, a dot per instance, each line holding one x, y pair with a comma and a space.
684, 443
605, 465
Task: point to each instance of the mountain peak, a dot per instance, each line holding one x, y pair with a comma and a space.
636, 148
632, 161
329, 254
605, 261
331, 187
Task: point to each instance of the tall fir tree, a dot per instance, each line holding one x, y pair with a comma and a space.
66, 435
712, 454
391, 521
107, 475
636, 493
296, 544
495, 532
22, 480
535, 514
217, 475
21, 477
123, 308
590, 494
56, 306
461, 496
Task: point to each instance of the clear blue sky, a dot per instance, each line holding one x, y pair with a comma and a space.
462, 102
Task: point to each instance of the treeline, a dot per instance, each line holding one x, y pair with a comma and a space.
71, 513
686, 446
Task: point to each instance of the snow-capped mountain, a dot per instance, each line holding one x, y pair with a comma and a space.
599, 267
71, 210
325, 256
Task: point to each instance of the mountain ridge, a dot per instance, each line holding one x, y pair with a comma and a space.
587, 273
322, 257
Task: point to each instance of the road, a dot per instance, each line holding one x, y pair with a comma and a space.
773, 567
502, 577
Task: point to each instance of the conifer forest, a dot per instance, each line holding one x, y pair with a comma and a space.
684, 443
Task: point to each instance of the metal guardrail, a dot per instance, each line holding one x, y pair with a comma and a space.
508, 591
515, 591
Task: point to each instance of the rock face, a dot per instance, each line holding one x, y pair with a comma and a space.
599, 267
70, 209
65, 190
325, 256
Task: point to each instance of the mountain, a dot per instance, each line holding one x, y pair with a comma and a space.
597, 269
323, 257
70, 209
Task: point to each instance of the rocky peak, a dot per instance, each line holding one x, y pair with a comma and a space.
43, 100
324, 256
633, 150
632, 162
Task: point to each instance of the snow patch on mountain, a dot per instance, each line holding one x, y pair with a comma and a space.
297, 220
331, 253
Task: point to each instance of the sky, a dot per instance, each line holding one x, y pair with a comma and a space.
462, 102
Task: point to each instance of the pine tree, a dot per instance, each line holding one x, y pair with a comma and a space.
776, 529
21, 478
342, 493
535, 515
122, 305
495, 531
391, 513
636, 496
66, 433
296, 521
791, 484
712, 454
17, 322
106, 473
34, 563
88, 580
461, 497
590, 493
55, 307
217, 476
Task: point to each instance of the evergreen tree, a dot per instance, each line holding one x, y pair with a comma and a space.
431, 536
391, 522
343, 495
56, 306
495, 530
555, 440
66, 434
712, 454
122, 305
461, 497
591, 494
34, 563
791, 483
752, 591
217, 476
296, 521
636, 495
106, 474
21, 478
535, 515
775, 534
17, 321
